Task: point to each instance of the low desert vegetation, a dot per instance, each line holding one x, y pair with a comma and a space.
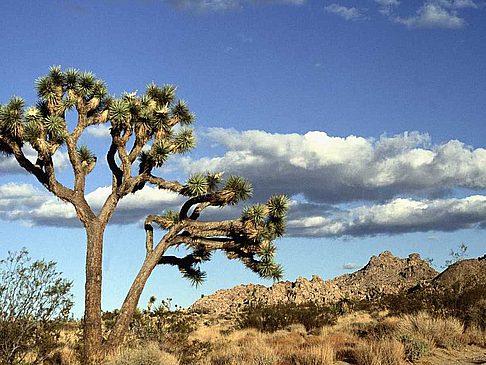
392, 330
359, 338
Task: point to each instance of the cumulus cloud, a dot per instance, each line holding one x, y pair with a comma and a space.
340, 186
221, 5
433, 15
98, 131
348, 13
396, 216
334, 170
8, 164
23, 202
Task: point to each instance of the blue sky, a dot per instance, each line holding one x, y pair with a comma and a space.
370, 114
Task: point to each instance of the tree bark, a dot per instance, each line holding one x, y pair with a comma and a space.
93, 352
130, 303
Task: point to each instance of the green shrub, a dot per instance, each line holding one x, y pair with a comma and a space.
270, 318
414, 347
34, 303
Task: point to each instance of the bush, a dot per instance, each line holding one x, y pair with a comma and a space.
169, 328
34, 302
270, 318
414, 348
145, 354
444, 332
377, 331
467, 304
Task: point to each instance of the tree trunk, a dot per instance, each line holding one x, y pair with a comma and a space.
92, 311
125, 316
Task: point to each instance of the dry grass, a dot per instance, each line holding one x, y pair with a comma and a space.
379, 352
358, 339
475, 336
145, 354
65, 356
437, 332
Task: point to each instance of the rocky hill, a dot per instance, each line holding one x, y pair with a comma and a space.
384, 274
462, 275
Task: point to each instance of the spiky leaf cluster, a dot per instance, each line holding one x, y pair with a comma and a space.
85, 155
168, 219
153, 114
160, 152
11, 118
266, 221
261, 225
55, 126
60, 89
44, 125
196, 185
236, 189
191, 269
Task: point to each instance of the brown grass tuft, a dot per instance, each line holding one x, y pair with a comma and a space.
146, 354
444, 332
379, 352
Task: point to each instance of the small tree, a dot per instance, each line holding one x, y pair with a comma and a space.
145, 131
456, 256
34, 299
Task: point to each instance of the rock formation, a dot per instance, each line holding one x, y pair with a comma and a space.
384, 274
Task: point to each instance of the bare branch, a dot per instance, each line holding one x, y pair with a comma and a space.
174, 186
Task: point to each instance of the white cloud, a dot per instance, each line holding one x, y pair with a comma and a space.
98, 131
8, 164
386, 7
342, 186
327, 169
457, 4
25, 203
222, 5
348, 13
396, 216
388, 2
433, 15
350, 266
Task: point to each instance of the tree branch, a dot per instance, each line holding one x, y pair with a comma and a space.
174, 186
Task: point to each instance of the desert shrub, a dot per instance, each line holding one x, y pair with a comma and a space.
243, 348
379, 352
475, 335
169, 328
444, 332
376, 330
270, 318
467, 304
415, 348
144, 354
34, 302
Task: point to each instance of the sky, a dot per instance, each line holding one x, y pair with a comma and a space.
370, 115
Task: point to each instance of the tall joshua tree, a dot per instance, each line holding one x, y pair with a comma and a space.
145, 131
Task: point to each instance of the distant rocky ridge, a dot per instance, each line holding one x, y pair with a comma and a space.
384, 274
459, 278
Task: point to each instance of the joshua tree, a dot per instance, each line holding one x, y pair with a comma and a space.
145, 131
